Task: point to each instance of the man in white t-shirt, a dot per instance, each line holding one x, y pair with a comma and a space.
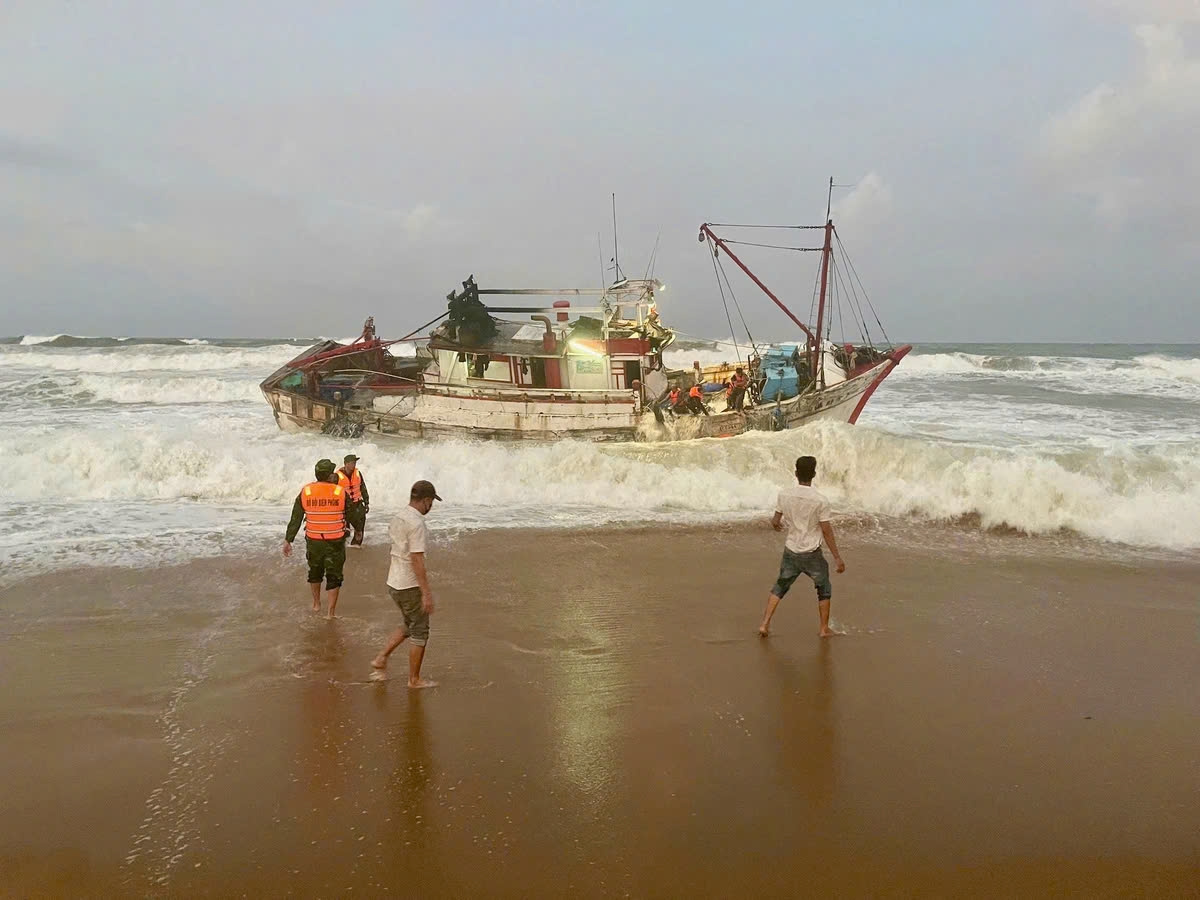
408, 582
806, 513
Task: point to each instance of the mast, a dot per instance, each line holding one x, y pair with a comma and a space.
826, 252
818, 368
616, 247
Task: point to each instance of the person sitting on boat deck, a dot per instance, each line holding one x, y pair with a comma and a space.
695, 403
358, 501
674, 402
322, 506
737, 390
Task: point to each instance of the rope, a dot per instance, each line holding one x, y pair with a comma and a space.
862, 316
426, 325
774, 246
737, 306
721, 288
812, 307
866, 296
792, 227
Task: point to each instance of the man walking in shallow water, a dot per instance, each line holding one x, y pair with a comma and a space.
321, 505
408, 582
806, 513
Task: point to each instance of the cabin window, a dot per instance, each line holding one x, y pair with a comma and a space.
490, 368
293, 382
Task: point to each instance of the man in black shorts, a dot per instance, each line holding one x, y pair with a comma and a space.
321, 505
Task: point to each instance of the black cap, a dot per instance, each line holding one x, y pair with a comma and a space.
349, 457
421, 490
325, 467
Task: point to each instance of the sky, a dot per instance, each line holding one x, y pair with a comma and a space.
1007, 171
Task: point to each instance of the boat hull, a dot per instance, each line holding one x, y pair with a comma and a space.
463, 412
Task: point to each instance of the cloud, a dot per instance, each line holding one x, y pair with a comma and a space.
868, 204
1127, 144
1157, 11
418, 219
24, 153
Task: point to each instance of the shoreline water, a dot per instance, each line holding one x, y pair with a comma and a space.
166, 449
997, 720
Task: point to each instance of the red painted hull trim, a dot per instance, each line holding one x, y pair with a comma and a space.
897, 355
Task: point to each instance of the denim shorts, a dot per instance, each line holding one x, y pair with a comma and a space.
813, 564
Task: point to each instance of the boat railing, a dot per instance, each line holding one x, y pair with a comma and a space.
519, 392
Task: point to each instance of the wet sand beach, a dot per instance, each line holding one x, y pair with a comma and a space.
1003, 717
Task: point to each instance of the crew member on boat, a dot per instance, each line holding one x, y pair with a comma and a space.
695, 403
737, 390
674, 401
358, 502
321, 505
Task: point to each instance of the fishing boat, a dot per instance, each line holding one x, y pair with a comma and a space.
588, 364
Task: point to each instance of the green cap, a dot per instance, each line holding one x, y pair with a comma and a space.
325, 467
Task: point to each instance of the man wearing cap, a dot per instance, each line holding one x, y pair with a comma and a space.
408, 582
358, 502
322, 506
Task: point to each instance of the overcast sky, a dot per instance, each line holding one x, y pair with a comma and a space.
1025, 170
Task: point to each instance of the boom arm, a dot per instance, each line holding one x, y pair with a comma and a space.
705, 231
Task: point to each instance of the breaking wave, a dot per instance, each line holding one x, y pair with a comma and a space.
172, 390
1150, 374
195, 358
1145, 497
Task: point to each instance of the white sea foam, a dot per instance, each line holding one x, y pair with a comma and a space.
148, 359
725, 353
1146, 497
172, 453
1172, 367
169, 390
1156, 375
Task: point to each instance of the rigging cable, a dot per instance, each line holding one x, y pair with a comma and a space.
773, 246
865, 294
791, 227
862, 319
842, 280
426, 325
721, 288
738, 306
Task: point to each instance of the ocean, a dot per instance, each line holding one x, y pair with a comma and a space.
1019, 524
139, 452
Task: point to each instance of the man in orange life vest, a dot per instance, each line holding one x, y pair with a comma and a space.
358, 502
695, 402
322, 506
737, 390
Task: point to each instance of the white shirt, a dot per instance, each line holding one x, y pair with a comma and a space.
804, 508
408, 535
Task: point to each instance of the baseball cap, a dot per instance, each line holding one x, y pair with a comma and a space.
325, 467
422, 489
349, 457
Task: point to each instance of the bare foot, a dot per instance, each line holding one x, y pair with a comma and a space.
829, 632
763, 631
379, 662
421, 683
316, 606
